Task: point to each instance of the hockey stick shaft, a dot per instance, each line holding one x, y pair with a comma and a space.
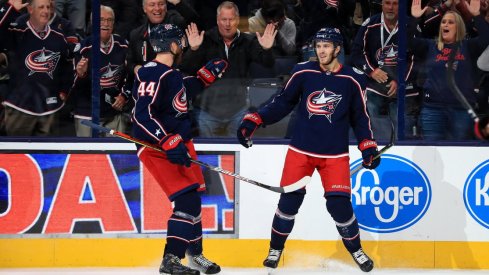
383, 150
454, 87
298, 185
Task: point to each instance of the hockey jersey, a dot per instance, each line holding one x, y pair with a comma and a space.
112, 78
160, 94
328, 104
39, 69
376, 47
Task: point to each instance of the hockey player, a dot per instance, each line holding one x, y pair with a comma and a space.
331, 99
161, 116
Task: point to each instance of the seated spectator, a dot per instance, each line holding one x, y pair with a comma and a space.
443, 116
114, 103
273, 12
219, 110
40, 72
375, 52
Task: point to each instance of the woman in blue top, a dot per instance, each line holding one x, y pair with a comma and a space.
443, 116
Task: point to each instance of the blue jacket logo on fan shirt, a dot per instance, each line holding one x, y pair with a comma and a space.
392, 197
476, 194
42, 61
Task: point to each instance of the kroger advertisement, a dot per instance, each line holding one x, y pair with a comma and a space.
418, 193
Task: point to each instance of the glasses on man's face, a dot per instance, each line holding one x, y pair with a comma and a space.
107, 20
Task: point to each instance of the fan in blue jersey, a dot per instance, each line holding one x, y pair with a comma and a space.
161, 117
39, 69
330, 98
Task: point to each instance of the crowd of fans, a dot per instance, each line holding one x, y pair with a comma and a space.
46, 45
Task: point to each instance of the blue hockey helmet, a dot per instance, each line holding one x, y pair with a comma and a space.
329, 34
162, 35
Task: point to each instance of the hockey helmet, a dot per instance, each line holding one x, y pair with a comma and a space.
329, 34
162, 35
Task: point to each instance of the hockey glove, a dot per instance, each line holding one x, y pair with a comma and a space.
175, 149
212, 70
481, 128
369, 151
247, 127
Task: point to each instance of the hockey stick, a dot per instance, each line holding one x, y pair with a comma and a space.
452, 85
383, 150
454, 88
291, 188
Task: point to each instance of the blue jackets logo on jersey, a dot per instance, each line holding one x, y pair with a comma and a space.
392, 197
42, 61
322, 103
110, 76
387, 56
476, 194
180, 102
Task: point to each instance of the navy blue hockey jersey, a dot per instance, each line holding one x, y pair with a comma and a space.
112, 78
161, 108
329, 103
39, 69
376, 47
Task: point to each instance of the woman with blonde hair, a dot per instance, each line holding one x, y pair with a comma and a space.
442, 115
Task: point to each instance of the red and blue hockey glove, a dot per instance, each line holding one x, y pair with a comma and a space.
247, 128
481, 128
212, 70
175, 149
369, 151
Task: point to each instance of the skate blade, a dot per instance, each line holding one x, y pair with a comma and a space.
270, 271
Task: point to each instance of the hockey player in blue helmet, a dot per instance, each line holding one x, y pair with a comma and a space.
329, 99
329, 35
161, 117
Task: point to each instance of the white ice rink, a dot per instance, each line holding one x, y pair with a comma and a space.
339, 270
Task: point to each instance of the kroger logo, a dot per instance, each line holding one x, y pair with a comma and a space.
476, 194
392, 197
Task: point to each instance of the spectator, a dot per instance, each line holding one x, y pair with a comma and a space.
73, 10
273, 12
324, 13
127, 15
40, 73
114, 102
220, 109
156, 12
442, 115
375, 51
61, 24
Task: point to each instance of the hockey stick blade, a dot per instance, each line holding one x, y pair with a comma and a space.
383, 150
293, 187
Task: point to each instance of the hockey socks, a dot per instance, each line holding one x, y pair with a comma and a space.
181, 224
284, 218
339, 207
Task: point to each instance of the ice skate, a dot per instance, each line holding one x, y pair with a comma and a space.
203, 264
273, 258
362, 260
171, 264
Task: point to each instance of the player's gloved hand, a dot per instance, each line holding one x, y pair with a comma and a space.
175, 149
212, 70
247, 127
369, 151
481, 128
